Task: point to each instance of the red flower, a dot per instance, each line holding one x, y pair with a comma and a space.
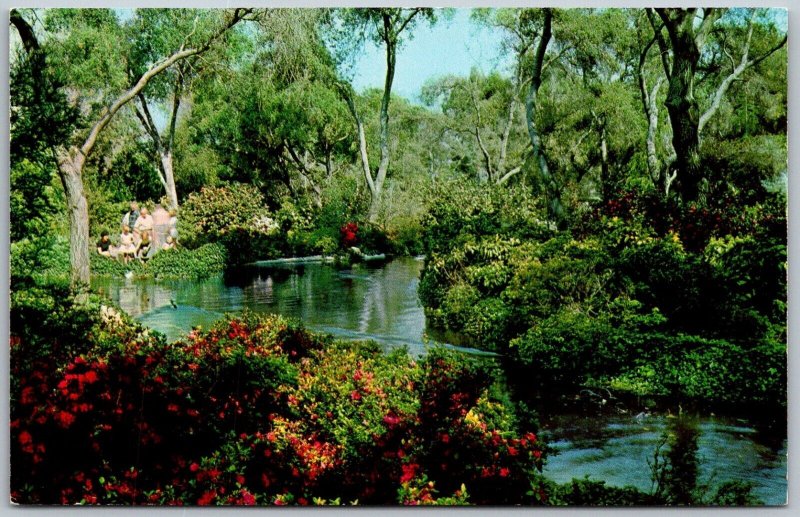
25, 438
206, 498
355, 395
409, 472
193, 467
90, 377
65, 419
504, 472
247, 498
27, 396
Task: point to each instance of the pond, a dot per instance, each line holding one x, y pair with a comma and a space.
376, 301
379, 302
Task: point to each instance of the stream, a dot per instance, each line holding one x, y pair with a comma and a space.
378, 301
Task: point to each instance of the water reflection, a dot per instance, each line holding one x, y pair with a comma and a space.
365, 302
617, 450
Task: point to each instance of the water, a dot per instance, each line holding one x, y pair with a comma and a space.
616, 449
380, 302
368, 301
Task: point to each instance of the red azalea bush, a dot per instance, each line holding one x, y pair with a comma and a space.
259, 411
349, 235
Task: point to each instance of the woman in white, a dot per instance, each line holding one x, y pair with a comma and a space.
127, 248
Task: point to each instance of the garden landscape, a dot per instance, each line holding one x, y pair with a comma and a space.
398, 256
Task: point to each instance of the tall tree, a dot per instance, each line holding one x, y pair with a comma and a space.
101, 28
386, 27
688, 32
154, 33
552, 189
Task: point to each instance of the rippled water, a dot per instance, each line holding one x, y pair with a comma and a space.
617, 449
380, 302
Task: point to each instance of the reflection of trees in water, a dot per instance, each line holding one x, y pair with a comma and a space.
379, 301
139, 298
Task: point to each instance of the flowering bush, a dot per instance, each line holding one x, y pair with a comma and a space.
208, 215
349, 234
255, 411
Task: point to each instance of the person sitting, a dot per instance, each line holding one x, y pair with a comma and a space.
144, 247
104, 245
169, 244
127, 248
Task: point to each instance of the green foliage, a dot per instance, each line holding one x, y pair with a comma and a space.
585, 492
206, 216
616, 305
39, 260
180, 263
254, 411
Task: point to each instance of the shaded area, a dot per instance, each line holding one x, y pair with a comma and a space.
616, 449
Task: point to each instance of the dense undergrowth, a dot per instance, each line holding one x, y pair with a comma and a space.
257, 410
691, 309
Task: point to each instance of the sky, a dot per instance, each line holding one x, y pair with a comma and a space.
449, 47
452, 46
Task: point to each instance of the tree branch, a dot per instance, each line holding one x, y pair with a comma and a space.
663, 49
154, 70
744, 64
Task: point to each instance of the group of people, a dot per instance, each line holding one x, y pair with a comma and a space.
142, 234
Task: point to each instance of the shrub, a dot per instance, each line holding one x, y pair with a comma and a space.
254, 411
203, 262
208, 215
39, 260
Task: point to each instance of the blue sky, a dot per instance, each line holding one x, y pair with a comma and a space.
449, 47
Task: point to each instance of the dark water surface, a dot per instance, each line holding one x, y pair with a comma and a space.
617, 449
368, 301
380, 302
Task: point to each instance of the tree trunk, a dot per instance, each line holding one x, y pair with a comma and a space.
686, 39
552, 191
383, 165
684, 115
169, 177
70, 166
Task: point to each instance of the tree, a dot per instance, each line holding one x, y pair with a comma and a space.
386, 27
154, 33
588, 108
101, 30
529, 32
688, 31
275, 119
485, 110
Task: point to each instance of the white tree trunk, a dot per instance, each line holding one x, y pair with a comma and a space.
169, 178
